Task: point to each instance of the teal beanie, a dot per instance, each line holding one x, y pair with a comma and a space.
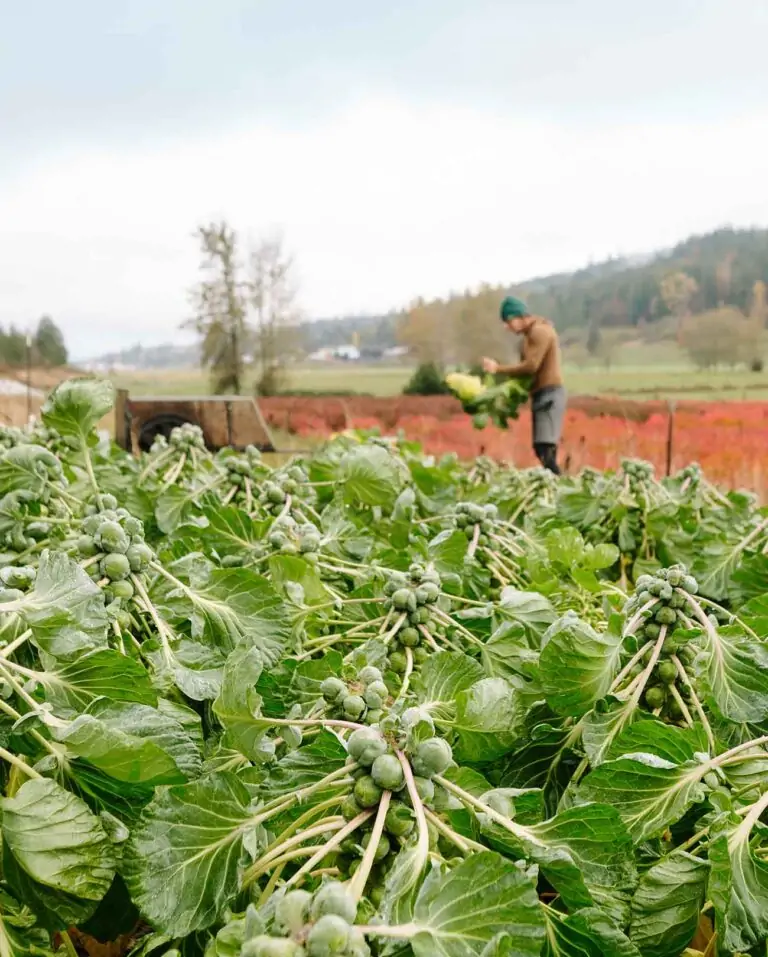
513, 308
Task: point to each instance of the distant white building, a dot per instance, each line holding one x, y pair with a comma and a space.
396, 352
346, 352
328, 354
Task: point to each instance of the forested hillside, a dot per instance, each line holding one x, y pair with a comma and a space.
705, 283
724, 265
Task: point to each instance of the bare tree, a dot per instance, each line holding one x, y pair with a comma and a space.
220, 308
677, 290
272, 296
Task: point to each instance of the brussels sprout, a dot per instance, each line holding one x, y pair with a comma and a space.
354, 706
108, 501
666, 616
329, 937
133, 527
382, 848
332, 689
674, 577
655, 697
123, 620
123, 590
413, 716
712, 780
334, 898
139, 556
432, 756
350, 808
425, 789
369, 674
403, 598
264, 946
398, 662
373, 699
399, 821
420, 653
408, 636
275, 495
373, 715
387, 773
292, 911
667, 672
115, 567
112, 538
367, 792
365, 745
674, 711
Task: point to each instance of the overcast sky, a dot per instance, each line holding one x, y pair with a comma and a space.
403, 147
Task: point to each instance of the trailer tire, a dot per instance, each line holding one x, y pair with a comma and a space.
159, 425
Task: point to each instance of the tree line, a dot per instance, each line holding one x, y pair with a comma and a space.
46, 345
713, 287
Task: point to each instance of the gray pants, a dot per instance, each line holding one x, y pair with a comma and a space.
548, 406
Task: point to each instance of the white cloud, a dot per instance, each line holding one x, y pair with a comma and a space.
386, 202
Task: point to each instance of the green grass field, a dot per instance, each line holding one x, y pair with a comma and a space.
641, 380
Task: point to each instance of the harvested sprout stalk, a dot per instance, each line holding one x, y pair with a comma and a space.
360, 879
332, 845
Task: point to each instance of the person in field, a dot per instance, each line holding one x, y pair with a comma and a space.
541, 361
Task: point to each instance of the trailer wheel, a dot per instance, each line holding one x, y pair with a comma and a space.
159, 425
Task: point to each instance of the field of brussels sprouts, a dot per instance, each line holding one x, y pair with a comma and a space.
374, 702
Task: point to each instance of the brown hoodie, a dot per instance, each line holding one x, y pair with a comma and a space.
540, 356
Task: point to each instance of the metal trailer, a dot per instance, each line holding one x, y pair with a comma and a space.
227, 420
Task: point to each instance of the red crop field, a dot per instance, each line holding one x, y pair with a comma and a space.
728, 439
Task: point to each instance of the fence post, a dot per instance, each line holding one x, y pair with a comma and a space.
670, 434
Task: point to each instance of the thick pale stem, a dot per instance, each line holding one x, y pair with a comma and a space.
516, 830
400, 931
302, 821
744, 829
635, 620
91, 474
407, 676
465, 844
464, 632
681, 705
726, 757
313, 723
683, 674
701, 617
163, 630
268, 857
16, 762
418, 807
324, 851
174, 472
630, 665
16, 644
358, 882
474, 542
394, 629
657, 649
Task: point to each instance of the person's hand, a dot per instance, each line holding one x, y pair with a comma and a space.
490, 365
